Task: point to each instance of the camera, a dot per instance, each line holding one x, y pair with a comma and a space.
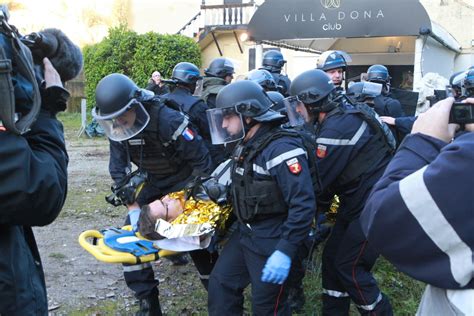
126, 191
462, 113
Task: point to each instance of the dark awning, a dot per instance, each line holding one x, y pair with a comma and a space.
279, 20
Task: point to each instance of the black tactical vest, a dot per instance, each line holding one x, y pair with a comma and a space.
380, 145
253, 198
149, 152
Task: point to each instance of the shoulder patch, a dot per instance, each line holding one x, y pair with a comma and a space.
321, 151
188, 134
294, 165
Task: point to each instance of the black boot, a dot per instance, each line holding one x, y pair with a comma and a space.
296, 299
149, 306
179, 259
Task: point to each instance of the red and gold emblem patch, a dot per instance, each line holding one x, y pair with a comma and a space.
321, 151
294, 165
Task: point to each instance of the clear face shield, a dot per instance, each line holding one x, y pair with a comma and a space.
226, 125
296, 111
372, 89
199, 87
125, 123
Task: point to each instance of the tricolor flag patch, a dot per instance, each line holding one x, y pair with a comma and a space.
294, 166
188, 134
321, 151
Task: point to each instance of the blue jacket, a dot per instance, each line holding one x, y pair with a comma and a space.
282, 232
194, 107
420, 215
340, 138
173, 129
387, 106
33, 186
283, 81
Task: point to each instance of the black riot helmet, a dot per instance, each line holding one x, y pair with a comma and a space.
186, 73
249, 99
113, 92
455, 82
333, 59
469, 84
273, 61
263, 78
379, 74
220, 67
118, 109
312, 86
236, 101
277, 99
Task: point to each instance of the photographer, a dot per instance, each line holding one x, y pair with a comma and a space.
33, 176
420, 213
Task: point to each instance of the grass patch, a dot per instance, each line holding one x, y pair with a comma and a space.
71, 121
57, 255
404, 292
103, 308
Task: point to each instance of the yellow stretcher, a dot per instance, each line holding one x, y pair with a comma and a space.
93, 242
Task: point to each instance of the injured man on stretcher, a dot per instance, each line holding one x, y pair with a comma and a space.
197, 211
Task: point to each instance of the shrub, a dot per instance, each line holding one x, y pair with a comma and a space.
136, 56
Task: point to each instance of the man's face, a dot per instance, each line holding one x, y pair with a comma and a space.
229, 78
232, 124
127, 119
166, 208
336, 75
301, 110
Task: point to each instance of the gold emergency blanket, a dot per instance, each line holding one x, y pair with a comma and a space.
200, 212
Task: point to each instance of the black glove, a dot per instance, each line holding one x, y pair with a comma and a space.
54, 99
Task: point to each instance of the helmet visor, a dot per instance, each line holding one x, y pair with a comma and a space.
226, 125
372, 89
125, 123
295, 111
199, 87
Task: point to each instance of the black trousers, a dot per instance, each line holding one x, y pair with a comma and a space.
346, 273
239, 265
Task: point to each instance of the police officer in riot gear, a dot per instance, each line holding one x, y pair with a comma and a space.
468, 84
273, 62
263, 78
334, 64
384, 105
219, 73
185, 77
272, 197
351, 156
158, 140
455, 82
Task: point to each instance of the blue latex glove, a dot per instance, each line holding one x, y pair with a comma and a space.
133, 215
276, 268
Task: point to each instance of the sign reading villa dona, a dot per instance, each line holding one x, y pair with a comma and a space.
300, 19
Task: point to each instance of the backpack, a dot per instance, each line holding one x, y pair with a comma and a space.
21, 99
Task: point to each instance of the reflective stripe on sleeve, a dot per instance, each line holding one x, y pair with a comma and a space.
421, 205
285, 156
344, 142
180, 129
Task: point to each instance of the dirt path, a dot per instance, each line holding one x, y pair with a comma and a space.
77, 283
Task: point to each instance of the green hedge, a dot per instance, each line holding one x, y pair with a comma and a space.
136, 56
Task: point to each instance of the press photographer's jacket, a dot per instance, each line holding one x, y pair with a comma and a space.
420, 214
33, 185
